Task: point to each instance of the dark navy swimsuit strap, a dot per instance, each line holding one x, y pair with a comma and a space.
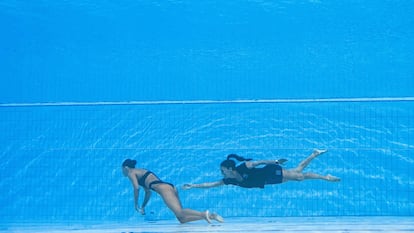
141, 181
159, 182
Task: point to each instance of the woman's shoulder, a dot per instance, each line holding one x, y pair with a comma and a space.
139, 171
242, 165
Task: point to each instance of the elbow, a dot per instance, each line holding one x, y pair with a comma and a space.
249, 165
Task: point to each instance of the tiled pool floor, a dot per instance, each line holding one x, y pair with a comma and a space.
279, 224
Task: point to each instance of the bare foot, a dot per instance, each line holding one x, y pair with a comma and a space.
317, 152
332, 178
216, 217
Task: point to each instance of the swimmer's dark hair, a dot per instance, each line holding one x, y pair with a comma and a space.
229, 163
129, 163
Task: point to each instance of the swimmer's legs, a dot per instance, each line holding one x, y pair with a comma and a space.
310, 176
294, 175
170, 196
306, 162
297, 175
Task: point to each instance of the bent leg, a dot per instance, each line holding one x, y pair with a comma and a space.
306, 162
171, 199
297, 175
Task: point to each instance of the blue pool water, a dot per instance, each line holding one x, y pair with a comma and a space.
63, 163
289, 224
239, 49
178, 85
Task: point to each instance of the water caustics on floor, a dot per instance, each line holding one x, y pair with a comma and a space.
369, 146
290, 224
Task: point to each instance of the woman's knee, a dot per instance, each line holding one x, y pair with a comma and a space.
181, 218
300, 177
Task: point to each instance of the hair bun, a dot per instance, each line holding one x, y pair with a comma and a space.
129, 163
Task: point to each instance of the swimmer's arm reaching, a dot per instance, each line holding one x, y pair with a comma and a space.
203, 185
252, 164
135, 185
146, 199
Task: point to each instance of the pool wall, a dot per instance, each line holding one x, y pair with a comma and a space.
63, 162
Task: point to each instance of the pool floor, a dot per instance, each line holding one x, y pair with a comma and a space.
279, 224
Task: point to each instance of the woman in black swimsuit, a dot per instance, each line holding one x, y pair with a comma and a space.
149, 181
247, 175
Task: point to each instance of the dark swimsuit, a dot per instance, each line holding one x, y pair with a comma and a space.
141, 181
257, 177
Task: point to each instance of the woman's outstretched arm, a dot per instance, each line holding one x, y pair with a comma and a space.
203, 185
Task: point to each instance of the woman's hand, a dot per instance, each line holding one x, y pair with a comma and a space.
141, 210
281, 161
187, 186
